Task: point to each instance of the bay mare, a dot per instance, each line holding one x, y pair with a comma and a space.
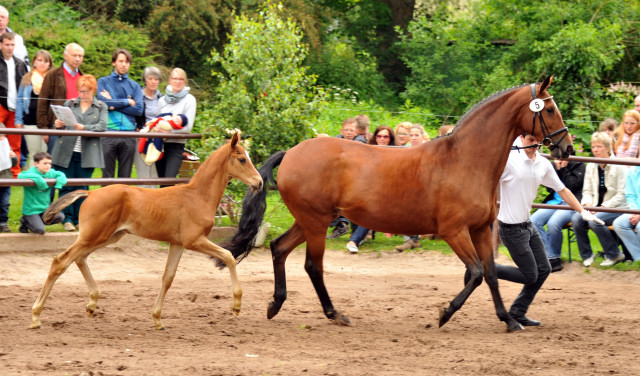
182, 215
447, 186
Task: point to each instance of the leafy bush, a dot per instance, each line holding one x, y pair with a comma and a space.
263, 88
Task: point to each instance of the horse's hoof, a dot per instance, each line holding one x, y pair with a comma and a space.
90, 311
35, 325
236, 311
342, 320
444, 317
514, 327
272, 310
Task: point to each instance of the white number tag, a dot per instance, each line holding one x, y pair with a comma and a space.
536, 105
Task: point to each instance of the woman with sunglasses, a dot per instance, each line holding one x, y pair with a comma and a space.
383, 136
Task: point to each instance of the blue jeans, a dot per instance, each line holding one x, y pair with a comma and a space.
555, 219
358, 235
75, 170
625, 231
5, 195
607, 240
527, 251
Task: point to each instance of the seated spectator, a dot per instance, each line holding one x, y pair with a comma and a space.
348, 132
37, 199
77, 156
608, 126
402, 133
627, 136
8, 159
382, 136
417, 135
572, 175
603, 187
363, 126
625, 224
445, 130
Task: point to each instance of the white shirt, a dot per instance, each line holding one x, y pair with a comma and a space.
12, 91
519, 185
5, 150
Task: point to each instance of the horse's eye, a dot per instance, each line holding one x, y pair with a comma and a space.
551, 110
242, 160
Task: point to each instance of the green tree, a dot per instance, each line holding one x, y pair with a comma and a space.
263, 88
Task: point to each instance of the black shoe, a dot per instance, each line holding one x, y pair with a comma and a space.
338, 231
556, 264
525, 321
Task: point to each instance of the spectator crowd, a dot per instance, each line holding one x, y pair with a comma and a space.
39, 94
64, 97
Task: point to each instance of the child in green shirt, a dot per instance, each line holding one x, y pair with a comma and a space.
37, 199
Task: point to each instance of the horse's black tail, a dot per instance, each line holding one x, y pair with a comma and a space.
253, 208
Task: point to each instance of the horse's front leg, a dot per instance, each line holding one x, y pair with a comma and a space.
204, 245
175, 253
483, 244
461, 244
281, 247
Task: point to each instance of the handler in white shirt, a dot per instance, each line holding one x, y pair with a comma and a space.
524, 172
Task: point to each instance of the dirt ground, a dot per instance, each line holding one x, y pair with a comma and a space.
591, 320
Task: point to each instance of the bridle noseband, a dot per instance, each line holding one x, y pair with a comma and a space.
537, 105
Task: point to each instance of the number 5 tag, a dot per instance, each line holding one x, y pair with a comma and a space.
536, 105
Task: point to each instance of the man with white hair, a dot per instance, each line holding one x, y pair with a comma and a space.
20, 50
59, 85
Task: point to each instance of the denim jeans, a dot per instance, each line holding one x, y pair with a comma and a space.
625, 231
555, 219
75, 170
5, 196
527, 251
358, 235
607, 240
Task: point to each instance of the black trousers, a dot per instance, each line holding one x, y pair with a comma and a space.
527, 251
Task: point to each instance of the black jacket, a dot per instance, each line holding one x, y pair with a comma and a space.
573, 178
21, 70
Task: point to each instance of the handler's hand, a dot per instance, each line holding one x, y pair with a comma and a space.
587, 216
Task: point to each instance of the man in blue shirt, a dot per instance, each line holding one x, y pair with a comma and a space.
124, 98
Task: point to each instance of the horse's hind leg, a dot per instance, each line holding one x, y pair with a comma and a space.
482, 241
281, 247
315, 269
175, 253
81, 262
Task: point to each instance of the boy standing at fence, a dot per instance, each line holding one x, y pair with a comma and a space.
37, 199
8, 159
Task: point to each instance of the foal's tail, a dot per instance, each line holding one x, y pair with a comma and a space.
253, 208
61, 203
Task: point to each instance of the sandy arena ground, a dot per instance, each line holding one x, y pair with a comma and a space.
591, 320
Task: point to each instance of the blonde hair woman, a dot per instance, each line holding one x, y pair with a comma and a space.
176, 101
627, 136
27, 103
603, 187
402, 133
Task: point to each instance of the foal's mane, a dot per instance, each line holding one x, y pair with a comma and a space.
222, 151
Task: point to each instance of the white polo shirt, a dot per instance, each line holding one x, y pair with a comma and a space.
519, 185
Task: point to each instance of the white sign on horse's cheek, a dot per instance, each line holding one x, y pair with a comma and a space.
536, 105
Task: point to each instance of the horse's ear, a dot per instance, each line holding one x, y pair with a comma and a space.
546, 83
234, 140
